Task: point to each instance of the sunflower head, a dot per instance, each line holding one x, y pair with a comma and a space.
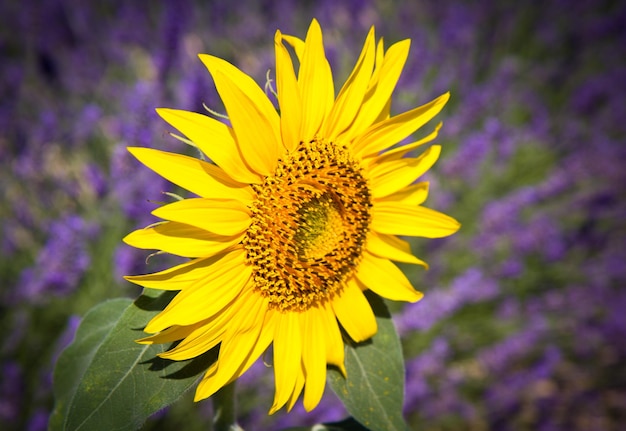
298, 213
309, 225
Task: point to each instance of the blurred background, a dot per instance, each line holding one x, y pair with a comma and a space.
523, 326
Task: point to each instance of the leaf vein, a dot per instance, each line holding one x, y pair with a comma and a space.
371, 389
139, 356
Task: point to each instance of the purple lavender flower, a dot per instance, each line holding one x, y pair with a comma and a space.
61, 263
470, 287
38, 421
96, 179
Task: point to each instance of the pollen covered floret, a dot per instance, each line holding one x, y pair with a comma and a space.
309, 225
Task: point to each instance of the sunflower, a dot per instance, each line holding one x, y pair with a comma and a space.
297, 216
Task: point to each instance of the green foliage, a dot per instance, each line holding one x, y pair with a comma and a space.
75, 360
104, 380
373, 390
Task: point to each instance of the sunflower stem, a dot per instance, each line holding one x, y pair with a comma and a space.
224, 407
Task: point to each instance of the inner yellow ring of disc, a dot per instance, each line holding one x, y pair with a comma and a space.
320, 229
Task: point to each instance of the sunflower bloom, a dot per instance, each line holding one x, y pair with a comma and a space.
298, 214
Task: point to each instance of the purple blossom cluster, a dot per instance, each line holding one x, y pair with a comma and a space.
60, 263
468, 288
522, 325
542, 165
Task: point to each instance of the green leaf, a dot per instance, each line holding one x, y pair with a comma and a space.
75, 359
104, 380
373, 392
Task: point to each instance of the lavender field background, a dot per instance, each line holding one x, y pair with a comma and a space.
523, 326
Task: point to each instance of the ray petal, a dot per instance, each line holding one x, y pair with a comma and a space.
403, 150
287, 357
289, 98
334, 343
192, 174
380, 55
223, 217
393, 175
255, 120
211, 331
383, 83
178, 277
244, 341
297, 390
180, 239
209, 295
351, 96
297, 44
313, 357
383, 135
355, 313
215, 139
393, 248
173, 333
316, 83
413, 195
401, 219
385, 279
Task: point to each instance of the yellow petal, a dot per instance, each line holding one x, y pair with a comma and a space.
207, 296
223, 217
316, 83
287, 357
402, 219
178, 277
355, 313
210, 332
351, 95
385, 279
412, 195
314, 357
392, 247
403, 150
385, 113
215, 139
297, 44
380, 55
297, 390
198, 177
383, 135
255, 120
289, 98
334, 343
180, 239
383, 83
390, 176
183, 352
173, 333
244, 341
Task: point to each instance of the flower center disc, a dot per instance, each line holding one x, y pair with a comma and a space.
309, 225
